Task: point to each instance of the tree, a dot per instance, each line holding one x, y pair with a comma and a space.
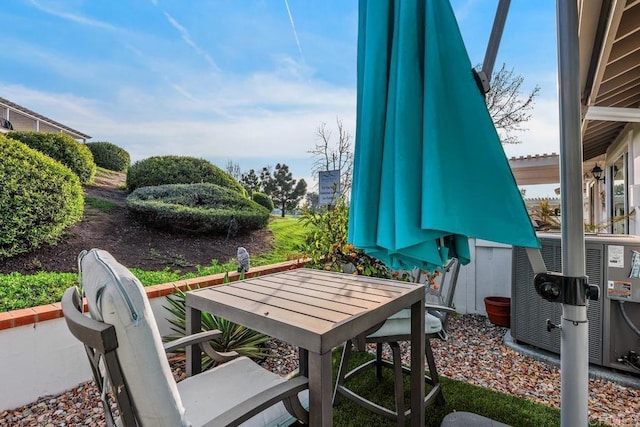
233, 169
507, 105
313, 201
334, 157
285, 192
266, 184
250, 181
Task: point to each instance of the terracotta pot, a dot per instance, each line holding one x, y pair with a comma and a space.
498, 310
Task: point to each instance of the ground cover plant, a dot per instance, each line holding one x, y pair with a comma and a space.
63, 148
39, 198
197, 208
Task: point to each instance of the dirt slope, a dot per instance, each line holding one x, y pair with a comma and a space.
132, 243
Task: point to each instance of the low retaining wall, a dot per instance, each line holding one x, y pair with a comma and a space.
39, 357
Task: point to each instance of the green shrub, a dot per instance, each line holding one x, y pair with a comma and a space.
327, 247
197, 208
39, 198
62, 148
109, 156
178, 170
263, 200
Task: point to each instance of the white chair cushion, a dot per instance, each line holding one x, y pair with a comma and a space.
115, 296
236, 381
400, 324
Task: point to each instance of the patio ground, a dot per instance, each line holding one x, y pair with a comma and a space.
474, 353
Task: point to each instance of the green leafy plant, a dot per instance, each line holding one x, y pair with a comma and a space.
244, 341
161, 170
197, 208
109, 156
39, 198
63, 148
545, 216
327, 246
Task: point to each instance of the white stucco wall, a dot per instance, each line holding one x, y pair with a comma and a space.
37, 360
44, 358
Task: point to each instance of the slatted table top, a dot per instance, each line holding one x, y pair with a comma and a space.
313, 309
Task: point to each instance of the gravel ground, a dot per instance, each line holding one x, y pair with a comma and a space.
474, 353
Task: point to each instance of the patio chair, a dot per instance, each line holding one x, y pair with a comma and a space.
395, 329
131, 369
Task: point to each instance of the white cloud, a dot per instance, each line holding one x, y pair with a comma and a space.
186, 37
79, 19
542, 134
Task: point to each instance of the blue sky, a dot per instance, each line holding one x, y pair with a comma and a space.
242, 80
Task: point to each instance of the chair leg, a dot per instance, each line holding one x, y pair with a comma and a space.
342, 370
433, 372
398, 380
379, 361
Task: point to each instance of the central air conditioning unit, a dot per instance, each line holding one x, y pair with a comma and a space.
612, 264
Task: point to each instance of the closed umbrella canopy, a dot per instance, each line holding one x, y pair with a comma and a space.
429, 168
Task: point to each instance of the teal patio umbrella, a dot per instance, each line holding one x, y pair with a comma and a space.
429, 168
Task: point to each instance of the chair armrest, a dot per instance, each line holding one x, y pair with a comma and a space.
202, 339
437, 307
191, 340
256, 404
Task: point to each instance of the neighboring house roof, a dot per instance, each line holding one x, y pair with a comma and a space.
536, 169
13, 106
609, 36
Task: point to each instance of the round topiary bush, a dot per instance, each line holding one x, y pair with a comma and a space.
39, 198
263, 200
62, 148
109, 156
197, 208
162, 170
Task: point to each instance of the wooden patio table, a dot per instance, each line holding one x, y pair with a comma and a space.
317, 311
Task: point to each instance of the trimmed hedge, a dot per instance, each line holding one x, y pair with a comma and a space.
39, 198
263, 200
109, 156
197, 209
62, 148
162, 170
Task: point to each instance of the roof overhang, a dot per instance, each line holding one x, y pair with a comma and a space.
609, 34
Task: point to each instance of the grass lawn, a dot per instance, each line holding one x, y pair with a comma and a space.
459, 396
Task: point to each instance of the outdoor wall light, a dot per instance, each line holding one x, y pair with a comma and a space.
597, 173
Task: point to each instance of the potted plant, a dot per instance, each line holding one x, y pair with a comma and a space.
498, 310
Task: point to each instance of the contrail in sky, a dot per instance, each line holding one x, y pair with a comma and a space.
295, 33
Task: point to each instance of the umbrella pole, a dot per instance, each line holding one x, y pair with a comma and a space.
494, 39
574, 344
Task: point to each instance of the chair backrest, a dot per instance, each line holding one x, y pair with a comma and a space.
448, 283
117, 301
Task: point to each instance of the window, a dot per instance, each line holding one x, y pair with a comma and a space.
618, 196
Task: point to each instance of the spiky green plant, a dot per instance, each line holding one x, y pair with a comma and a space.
244, 341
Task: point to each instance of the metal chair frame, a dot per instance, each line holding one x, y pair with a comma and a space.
435, 396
